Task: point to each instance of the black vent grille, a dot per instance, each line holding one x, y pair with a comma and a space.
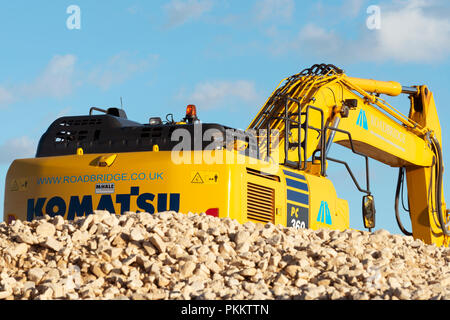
260, 203
80, 122
68, 136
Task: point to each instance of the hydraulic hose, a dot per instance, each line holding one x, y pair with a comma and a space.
397, 197
438, 191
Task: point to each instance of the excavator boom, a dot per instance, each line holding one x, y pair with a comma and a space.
322, 105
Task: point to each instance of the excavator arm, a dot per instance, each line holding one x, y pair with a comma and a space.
322, 105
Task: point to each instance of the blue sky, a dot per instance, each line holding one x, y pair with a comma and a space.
225, 56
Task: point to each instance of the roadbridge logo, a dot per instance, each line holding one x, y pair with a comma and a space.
362, 120
324, 215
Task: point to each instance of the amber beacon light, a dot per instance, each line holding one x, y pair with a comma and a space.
191, 113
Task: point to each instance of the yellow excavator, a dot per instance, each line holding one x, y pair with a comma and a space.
275, 171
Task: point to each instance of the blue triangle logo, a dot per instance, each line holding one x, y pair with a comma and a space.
362, 120
324, 215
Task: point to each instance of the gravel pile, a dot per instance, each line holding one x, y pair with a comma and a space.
175, 256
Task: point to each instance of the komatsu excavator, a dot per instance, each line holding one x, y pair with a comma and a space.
275, 171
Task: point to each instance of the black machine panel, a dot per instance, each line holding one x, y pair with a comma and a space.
114, 133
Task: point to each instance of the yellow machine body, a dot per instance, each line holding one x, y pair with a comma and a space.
75, 186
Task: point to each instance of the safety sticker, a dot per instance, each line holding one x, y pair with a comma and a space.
204, 177
19, 184
14, 185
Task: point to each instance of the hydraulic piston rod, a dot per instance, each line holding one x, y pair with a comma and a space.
410, 90
391, 88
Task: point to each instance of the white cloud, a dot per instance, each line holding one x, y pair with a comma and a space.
352, 7
329, 46
118, 69
61, 77
333, 11
17, 148
182, 11
409, 33
319, 39
210, 95
6, 97
55, 81
133, 9
274, 10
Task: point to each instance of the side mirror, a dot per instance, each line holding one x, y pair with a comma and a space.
368, 211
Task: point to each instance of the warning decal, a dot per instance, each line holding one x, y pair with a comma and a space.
204, 177
197, 178
19, 184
